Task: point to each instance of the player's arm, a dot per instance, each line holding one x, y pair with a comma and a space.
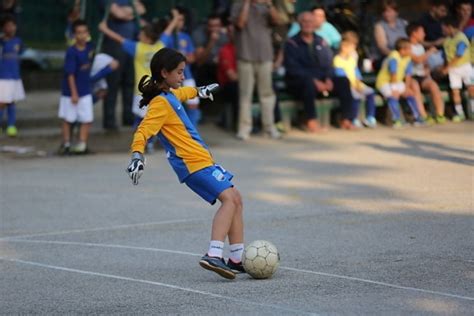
151, 124
124, 13
71, 80
158, 111
109, 33
173, 23
409, 74
70, 66
392, 69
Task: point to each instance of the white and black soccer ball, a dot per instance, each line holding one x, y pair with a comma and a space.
260, 259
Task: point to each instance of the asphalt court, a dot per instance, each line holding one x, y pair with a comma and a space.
375, 222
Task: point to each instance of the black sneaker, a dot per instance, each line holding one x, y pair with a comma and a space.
235, 267
216, 265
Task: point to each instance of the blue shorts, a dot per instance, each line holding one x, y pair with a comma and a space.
209, 182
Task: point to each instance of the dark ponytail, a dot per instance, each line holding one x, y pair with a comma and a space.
165, 59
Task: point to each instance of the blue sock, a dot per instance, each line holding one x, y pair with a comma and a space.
355, 109
394, 108
1, 117
11, 113
413, 106
370, 105
194, 115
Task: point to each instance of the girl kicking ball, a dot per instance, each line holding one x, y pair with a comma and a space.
189, 155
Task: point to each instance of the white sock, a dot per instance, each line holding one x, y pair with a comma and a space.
216, 248
471, 105
459, 109
236, 251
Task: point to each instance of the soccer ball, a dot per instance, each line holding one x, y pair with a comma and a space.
260, 259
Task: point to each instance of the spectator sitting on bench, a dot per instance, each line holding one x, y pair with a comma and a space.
421, 73
345, 65
309, 71
394, 81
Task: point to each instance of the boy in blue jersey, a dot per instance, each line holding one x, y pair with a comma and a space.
174, 37
76, 96
189, 156
11, 86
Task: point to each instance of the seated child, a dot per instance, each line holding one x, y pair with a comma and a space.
345, 65
421, 72
394, 81
458, 65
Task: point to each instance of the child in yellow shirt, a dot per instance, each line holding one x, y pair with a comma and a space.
345, 65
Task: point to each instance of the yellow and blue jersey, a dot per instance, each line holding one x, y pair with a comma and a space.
167, 118
142, 54
396, 65
347, 67
457, 46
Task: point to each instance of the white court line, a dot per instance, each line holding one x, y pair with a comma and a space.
395, 286
381, 283
171, 286
85, 230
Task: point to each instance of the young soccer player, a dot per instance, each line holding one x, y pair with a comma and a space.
142, 52
421, 74
394, 81
11, 86
345, 65
458, 65
75, 104
189, 155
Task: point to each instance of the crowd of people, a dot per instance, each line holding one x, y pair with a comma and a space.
247, 43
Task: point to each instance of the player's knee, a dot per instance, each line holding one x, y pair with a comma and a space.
237, 201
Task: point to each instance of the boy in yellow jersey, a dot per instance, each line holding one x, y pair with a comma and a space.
189, 156
345, 65
394, 81
142, 52
458, 65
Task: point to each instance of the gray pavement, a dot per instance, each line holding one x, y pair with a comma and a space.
370, 222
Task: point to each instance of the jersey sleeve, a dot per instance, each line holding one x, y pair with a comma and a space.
185, 93
130, 47
460, 49
166, 40
158, 111
392, 66
70, 64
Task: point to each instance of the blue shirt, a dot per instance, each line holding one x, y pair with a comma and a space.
308, 61
127, 29
183, 43
78, 63
10, 51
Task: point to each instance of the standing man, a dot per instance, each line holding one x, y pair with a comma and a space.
122, 20
253, 20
